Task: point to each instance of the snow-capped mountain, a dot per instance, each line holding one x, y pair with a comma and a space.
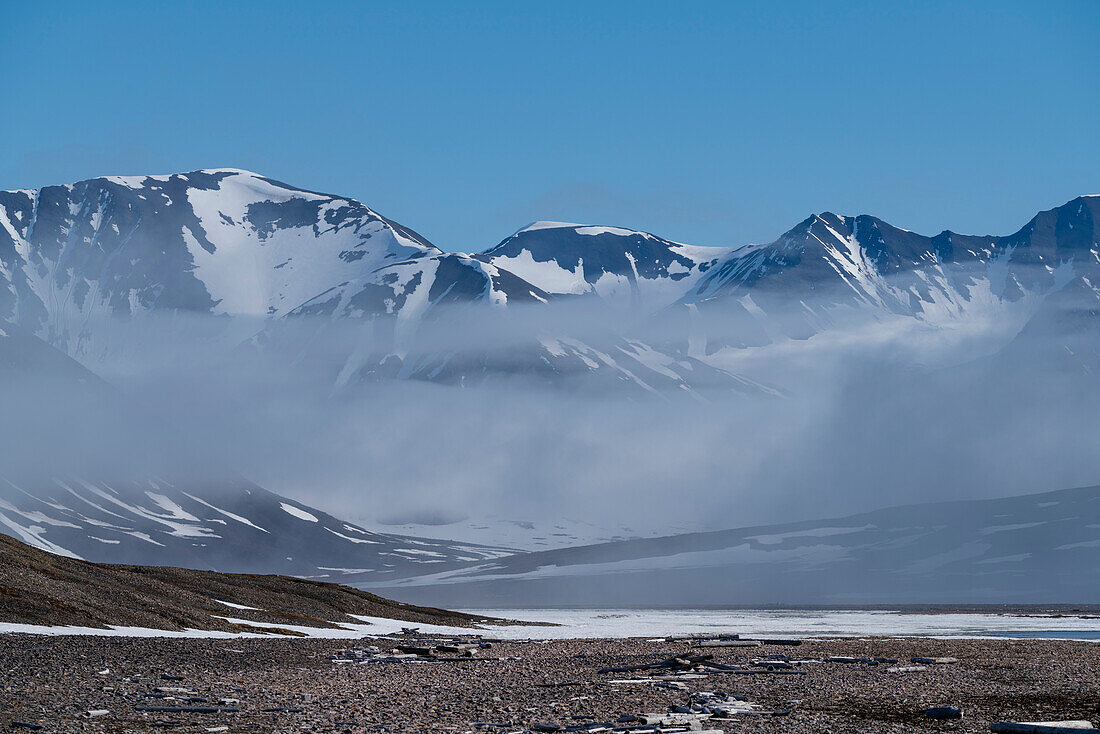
218, 241
1032, 548
229, 242
224, 525
233, 243
408, 291
830, 269
829, 274
546, 267
620, 266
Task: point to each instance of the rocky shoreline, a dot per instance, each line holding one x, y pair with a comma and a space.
79, 684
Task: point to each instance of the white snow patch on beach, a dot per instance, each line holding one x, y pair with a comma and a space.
592, 623
621, 623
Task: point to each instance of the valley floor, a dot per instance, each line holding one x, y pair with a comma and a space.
285, 685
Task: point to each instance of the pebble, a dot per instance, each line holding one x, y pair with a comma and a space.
280, 685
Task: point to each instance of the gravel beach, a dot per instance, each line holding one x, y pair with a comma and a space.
70, 684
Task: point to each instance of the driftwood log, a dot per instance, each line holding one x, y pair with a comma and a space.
189, 709
681, 662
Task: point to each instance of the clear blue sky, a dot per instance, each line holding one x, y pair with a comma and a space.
710, 123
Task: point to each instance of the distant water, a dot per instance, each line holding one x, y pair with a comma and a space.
797, 623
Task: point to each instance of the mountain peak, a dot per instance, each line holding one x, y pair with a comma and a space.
140, 180
548, 224
581, 229
218, 240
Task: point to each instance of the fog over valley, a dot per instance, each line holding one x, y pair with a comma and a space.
182, 346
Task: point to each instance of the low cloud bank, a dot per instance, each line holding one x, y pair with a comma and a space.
885, 411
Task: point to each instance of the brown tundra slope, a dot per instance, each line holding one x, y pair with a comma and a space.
41, 588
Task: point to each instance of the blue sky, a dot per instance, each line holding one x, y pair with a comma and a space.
708, 123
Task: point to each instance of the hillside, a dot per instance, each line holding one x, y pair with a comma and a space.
41, 588
1037, 548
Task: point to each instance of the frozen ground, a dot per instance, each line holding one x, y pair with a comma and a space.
801, 623
370, 626
612, 623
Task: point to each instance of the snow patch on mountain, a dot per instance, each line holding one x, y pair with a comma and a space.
298, 512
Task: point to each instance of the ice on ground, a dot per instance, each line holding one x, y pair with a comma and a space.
649, 623
367, 627
589, 623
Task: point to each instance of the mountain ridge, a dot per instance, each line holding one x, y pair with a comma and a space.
231, 242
